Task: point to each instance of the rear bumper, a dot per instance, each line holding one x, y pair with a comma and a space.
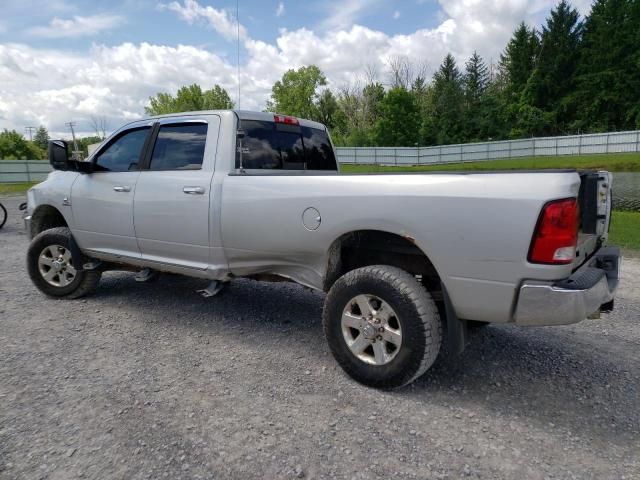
572, 300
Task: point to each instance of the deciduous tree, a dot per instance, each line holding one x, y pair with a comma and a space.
188, 99
297, 93
13, 146
399, 121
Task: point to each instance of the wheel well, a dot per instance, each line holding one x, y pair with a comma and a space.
373, 247
46, 217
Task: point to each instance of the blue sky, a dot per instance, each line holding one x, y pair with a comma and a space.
147, 20
64, 60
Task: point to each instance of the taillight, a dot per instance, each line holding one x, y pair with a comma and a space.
556, 236
286, 120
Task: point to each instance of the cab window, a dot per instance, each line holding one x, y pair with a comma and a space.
179, 147
123, 153
270, 145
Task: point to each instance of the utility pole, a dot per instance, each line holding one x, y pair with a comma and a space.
30, 130
73, 136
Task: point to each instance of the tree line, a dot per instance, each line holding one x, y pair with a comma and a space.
570, 75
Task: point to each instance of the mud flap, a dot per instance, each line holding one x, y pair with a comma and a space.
457, 330
77, 253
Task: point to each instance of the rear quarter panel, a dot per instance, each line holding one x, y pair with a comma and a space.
475, 228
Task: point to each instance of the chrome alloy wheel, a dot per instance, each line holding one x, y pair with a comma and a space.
371, 329
55, 266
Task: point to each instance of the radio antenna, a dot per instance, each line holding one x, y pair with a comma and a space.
238, 59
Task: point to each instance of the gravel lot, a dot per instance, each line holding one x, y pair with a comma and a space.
153, 381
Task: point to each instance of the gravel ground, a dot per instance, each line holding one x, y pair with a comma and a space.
153, 381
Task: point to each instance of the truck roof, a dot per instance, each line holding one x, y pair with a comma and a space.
242, 114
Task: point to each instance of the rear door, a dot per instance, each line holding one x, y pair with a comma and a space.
172, 201
102, 202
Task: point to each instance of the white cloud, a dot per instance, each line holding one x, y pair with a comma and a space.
77, 26
280, 10
343, 13
396, 15
220, 20
50, 87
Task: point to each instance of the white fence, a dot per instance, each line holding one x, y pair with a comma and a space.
18, 171
614, 142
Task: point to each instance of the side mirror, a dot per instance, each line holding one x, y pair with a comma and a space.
58, 155
59, 158
81, 166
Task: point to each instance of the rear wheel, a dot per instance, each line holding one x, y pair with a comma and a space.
55, 269
382, 326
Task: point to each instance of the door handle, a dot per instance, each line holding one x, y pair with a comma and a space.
122, 188
193, 190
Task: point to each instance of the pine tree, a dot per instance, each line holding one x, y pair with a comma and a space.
476, 79
553, 77
372, 96
608, 86
633, 115
518, 60
41, 138
445, 124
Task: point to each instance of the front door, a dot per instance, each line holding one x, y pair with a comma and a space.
171, 207
102, 201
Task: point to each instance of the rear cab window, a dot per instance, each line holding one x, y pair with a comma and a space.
269, 145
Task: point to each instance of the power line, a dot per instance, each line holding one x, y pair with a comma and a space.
30, 130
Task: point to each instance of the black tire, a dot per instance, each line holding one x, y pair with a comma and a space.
416, 313
84, 282
3, 215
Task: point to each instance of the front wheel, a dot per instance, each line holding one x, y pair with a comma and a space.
382, 326
54, 268
3, 215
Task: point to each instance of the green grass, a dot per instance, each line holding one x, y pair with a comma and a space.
618, 162
15, 188
625, 230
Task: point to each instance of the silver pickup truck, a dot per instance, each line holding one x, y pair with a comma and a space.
408, 261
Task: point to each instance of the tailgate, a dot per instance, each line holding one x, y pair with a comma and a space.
595, 200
